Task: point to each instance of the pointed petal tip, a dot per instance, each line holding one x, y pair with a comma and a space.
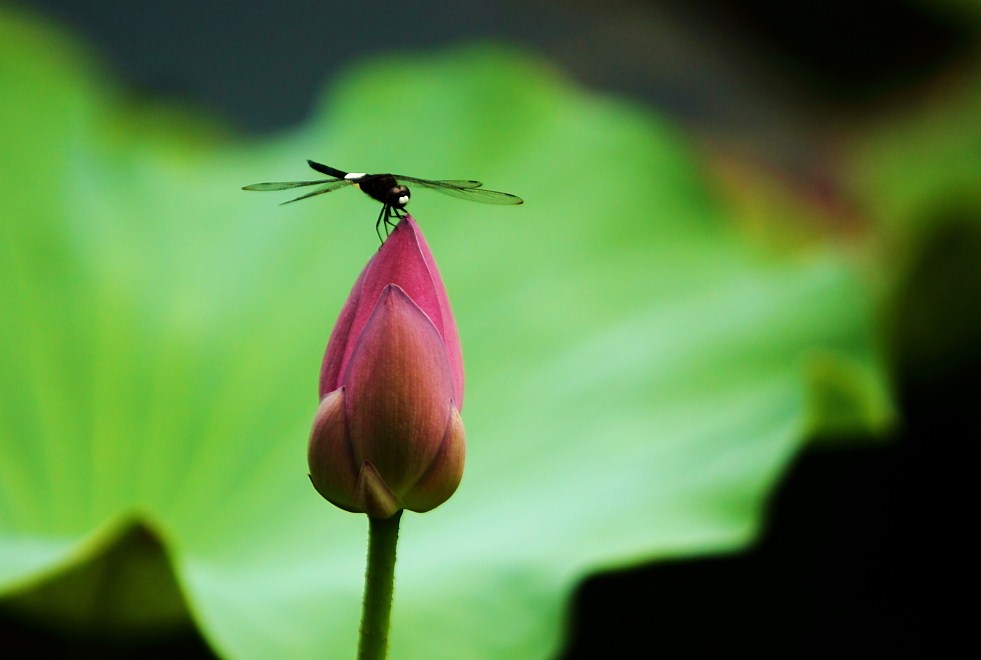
373, 495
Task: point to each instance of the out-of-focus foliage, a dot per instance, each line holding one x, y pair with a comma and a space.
640, 369
922, 160
918, 172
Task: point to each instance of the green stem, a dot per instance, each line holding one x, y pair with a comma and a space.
379, 581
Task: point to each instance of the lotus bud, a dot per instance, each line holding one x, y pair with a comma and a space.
388, 435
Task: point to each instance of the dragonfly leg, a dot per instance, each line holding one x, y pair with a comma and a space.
382, 217
388, 219
385, 218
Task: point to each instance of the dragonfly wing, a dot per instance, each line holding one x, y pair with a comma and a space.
283, 185
481, 195
464, 189
440, 183
326, 188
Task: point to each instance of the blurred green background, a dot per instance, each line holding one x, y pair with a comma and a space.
720, 366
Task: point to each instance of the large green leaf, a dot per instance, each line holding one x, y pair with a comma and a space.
639, 373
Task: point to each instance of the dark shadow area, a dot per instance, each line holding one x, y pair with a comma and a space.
262, 66
846, 52
45, 643
124, 602
864, 550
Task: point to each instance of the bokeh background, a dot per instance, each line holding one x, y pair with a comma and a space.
830, 123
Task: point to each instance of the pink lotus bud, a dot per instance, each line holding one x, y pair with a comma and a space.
388, 435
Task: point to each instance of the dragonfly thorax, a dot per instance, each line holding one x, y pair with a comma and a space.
385, 189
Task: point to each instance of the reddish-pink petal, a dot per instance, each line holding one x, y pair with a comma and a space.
340, 337
398, 390
406, 261
440, 481
330, 457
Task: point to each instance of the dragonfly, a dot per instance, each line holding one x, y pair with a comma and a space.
389, 189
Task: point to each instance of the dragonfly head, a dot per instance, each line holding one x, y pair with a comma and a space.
398, 196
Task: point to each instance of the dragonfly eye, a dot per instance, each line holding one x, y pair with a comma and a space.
398, 196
